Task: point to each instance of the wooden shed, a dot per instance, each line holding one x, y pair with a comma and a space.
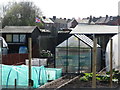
17, 36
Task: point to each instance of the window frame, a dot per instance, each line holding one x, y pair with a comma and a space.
16, 39
19, 39
22, 40
7, 40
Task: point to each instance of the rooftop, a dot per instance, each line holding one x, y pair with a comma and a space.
21, 29
94, 29
47, 20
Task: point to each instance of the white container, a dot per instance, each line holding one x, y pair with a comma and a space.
37, 62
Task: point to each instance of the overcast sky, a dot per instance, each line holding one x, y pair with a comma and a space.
75, 8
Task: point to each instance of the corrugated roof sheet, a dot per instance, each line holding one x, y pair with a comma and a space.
94, 29
86, 40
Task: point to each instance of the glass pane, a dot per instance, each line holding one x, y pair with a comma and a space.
22, 38
9, 38
85, 59
61, 58
15, 38
73, 41
73, 59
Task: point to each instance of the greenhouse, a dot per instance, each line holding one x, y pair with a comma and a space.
74, 55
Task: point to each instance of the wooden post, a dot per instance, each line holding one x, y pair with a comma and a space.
15, 83
111, 45
94, 63
1, 64
30, 58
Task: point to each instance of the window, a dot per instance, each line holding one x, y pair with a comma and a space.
15, 38
9, 37
22, 37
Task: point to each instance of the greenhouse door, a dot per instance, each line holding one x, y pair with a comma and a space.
79, 60
73, 61
85, 60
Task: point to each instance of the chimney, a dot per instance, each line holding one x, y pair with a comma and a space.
111, 18
100, 17
54, 17
90, 19
64, 18
44, 17
106, 16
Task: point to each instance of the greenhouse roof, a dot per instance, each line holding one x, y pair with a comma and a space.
73, 41
94, 29
86, 40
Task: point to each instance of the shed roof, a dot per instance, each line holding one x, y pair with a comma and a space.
94, 29
20, 29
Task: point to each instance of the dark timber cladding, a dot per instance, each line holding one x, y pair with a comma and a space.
17, 36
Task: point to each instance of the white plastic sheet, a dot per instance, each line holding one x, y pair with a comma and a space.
114, 53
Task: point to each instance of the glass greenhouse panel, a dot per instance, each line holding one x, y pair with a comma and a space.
61, 58
85, 60
73, 56
73, 41
73, 59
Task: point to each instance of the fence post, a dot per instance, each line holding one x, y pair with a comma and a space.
0, 64
29, 65
94, 62
15, 83
111, 45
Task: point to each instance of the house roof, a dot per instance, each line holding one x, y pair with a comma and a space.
20, 29
71, 20
84, 21
94, 29
60, 20
47, 20
113, 20
94, 19
103, 20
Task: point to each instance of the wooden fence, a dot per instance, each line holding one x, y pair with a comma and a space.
14, 59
